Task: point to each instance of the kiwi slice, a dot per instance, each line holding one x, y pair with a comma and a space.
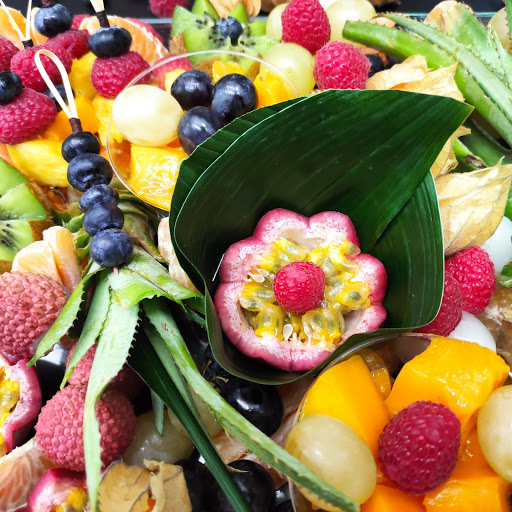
203, 15
22, 216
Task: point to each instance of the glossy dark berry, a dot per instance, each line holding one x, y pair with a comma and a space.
377, 64
212, 369
282, 493
255, 484
111, 248
233, 95
87, 170
51, 21
202, 486
79, 143
10, 87
110, 42
103, 216
62, 91
261, 405
284, 506
230, 27
98, 194
196, 126
192, 89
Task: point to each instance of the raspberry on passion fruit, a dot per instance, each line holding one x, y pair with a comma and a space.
293, 315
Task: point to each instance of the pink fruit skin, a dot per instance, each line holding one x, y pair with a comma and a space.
54, 488
20, 421
242, 256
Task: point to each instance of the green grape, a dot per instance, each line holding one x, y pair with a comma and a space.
295, 63
495, 431
499, 23
342, 10
337, 454
147, 443
274, 23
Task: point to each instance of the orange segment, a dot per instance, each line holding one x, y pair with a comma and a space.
458, 374
143, 41
62, 243
388, 499
347, 392
6, 28
37, 258
20, 471
154, 172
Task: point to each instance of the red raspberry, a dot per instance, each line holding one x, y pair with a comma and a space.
7, 52
299, 286
340, 66
305, 22
165, 8
474, 271
24, 66
77, 20
74, 41
161, 71
450, 312
110, 75
26, 116
418, 448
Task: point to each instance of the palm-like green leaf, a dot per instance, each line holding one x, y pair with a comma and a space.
369, 157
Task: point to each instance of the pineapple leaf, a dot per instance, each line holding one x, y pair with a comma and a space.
257, 442
508, 7
137, 227
94, 323
504, 57
111, 354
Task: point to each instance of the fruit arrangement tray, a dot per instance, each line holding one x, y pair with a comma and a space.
256, 264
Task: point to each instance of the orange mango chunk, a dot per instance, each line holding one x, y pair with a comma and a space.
221, 68
347, 392
458, 374
388, 499
271, 89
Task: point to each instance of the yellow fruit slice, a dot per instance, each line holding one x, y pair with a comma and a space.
170, 77
154, 172
37, 258
143, 41
41, 160
62, 243
271, 89
221, 68
6, 28
80, 76
103, 107
20, 471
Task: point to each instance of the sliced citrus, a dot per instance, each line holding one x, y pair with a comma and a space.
62, 243
6, 28
143, 41
37, 258
20, 470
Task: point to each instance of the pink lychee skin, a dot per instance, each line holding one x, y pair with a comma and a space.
126, 381
59, 429
53, 489
243, 256
29, 304
20, 421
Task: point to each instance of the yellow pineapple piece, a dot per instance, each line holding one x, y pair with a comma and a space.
80, 76
103, 107
221, 68
154, 172
41, 160
170, 77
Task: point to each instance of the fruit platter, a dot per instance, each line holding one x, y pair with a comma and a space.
261, 261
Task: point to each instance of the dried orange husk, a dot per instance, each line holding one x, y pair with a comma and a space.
472, 205
168, 487
411, 69
446, 160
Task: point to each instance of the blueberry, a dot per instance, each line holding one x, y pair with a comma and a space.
53, 20
111, 248
376, 63
233, 95
192, 89
98, 194
230, 27
202, 486
261, 405
212, 368
78, 143
196, 126
62, 91
10, 87
87, 170
110, 42
255, 483
284, 506
103, 216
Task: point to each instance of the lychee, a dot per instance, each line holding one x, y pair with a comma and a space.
29, 304
59, 429
126, 381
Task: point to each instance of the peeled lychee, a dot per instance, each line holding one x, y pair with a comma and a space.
59, 429
126, 381
29, 304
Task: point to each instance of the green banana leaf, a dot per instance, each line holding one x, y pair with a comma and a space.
369, 157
